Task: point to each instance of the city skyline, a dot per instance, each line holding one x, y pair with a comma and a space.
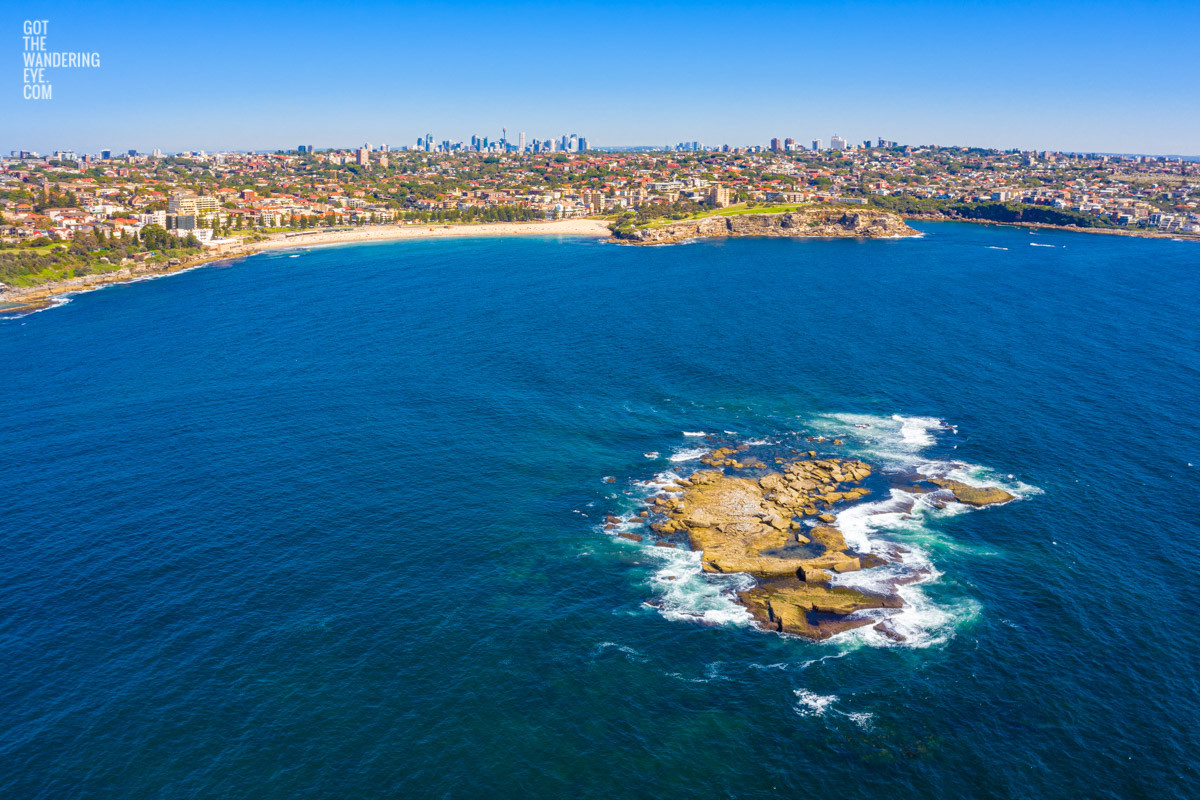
1004, 75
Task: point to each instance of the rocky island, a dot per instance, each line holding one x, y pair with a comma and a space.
817, 221
778, 526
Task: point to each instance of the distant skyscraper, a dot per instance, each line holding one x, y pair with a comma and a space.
816, 145
521, 141
837, 143
364, 156
583, 144
775, 145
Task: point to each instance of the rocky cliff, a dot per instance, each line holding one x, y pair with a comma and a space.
823, 221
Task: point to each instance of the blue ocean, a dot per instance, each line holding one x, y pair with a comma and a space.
330, 523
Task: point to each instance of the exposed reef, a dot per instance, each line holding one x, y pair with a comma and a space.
778, 525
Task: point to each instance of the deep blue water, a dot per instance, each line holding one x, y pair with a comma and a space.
315, 527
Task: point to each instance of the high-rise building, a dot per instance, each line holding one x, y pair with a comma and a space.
837, 143
383, 160
521, 141
775, 144
363, 156
583, 144
789, 144
106, 153
816, 145
719, 195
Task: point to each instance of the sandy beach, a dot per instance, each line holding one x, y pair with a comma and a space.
379, 233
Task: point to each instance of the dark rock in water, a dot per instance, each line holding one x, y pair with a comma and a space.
664, 544
870, 561
890, 632
611, 520
633, 537
974, 495
610, 479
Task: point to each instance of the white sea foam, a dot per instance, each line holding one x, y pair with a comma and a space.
894, 441
863, 719
811, 704
694, 433
629, 652
1035, 244
915, 430
687, 593
688, 455
659, 481
871, 527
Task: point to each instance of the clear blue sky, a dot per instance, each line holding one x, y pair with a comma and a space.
1095, 76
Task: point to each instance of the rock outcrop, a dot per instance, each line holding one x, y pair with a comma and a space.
742, 524
974, 495
778, 525
818, 221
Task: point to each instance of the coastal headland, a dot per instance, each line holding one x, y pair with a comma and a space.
809, 221
779, 525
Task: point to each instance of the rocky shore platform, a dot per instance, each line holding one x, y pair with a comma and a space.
777, 523
817, 221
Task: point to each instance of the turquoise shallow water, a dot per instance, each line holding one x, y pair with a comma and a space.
315, 527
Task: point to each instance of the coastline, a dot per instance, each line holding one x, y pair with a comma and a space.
26, 300
1186, 237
